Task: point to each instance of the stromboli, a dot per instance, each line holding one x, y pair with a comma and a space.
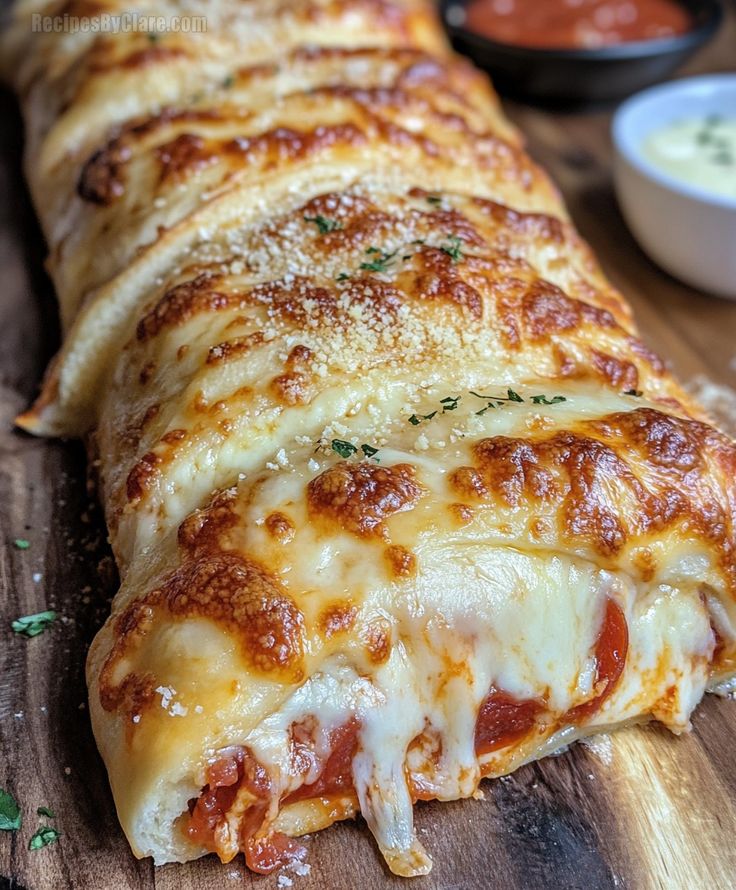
398, 497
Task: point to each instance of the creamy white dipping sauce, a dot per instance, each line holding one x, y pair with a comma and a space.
699, 151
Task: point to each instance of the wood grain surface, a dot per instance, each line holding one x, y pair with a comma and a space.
641, 809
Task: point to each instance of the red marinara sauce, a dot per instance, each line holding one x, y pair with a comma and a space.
263, 852
576, 24
336, 777
611, 650
503, 720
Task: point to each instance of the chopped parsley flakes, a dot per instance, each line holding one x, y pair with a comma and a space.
382, 261
416, 419
453, 248
343, 448
450, 403
347, 449
10, 817
511, 396
21, 544
543, 400
43, 837
33, 625
324, 224
45, 811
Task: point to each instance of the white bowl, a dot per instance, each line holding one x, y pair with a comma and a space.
687, 230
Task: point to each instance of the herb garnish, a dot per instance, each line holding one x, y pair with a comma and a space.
21, 544
347, 449
10, 817
434, 199
43, 837
228, 82
450, 403
45, 811
453, 248
634, 392
33, 625
343, 448
513, 396
324, 224
708, 136
416, 419
543, 400
380, 264
510, 396
153, 37
343, 276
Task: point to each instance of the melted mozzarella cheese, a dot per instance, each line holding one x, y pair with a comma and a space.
527, 624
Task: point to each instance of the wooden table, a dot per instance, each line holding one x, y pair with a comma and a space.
639, 810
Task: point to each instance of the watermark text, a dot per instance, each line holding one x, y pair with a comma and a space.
111, 23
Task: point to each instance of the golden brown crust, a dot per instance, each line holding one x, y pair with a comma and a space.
662, 467
232, 592
360, 497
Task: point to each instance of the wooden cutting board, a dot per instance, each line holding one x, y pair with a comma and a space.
641, 809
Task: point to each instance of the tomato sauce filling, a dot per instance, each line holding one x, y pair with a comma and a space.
336, 777
264, 851
610, 657
502, 721
561, 24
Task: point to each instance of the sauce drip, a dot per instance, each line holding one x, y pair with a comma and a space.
576, 24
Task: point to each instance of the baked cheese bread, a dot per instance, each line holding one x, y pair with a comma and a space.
398, 497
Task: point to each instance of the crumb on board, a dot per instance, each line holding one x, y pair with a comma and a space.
297, 867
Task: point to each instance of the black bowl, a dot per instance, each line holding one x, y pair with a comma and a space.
573, 76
